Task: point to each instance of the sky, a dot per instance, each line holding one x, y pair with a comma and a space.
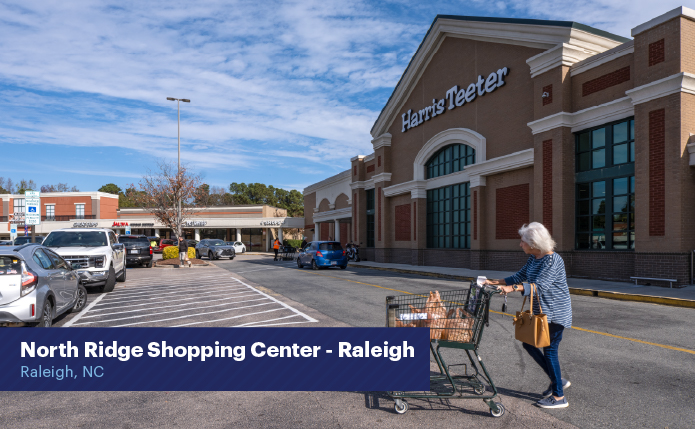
282, 92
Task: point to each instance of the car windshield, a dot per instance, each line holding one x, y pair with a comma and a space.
10, 265
216, 243
76, 239
131, 239
229, 243
330, 246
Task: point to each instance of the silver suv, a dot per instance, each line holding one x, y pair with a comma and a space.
99, 255
36, 286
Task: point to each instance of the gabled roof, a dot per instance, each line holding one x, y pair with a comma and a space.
536, 33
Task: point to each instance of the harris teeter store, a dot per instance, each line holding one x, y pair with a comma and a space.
499, 122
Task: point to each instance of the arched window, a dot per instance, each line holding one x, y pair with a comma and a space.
449, 159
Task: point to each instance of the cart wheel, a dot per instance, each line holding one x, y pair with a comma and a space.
500, 411
403, 408
479, 390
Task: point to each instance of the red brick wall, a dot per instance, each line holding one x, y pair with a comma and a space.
657, 53
354, 215
370, 168
402, 223
378, 161
108, 208
606, 81
475, 215
414, 220
548, 185
324, 231
512, 210
657, 173
379, 213
549, 99
354, 170
65, 206
344, 232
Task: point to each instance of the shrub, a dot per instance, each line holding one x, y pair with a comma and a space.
172, 252
293, 243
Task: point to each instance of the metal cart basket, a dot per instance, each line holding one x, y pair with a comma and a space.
456, 320
287, 253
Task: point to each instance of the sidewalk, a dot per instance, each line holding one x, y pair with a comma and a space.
679, 297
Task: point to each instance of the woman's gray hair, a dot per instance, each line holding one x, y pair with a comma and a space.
537, 236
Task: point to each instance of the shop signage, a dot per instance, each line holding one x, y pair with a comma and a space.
143, 225
272, 222
17, 218
195, 223
32, 208
120, 224
456, 97
85, 225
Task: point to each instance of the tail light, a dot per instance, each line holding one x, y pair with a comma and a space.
343, 252
29, 281
32, 308
319, 254
150, 250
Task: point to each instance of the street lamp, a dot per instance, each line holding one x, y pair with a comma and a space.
178, 172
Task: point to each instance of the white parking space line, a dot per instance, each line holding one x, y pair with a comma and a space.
265, 321
178, 289
202, 314
310, 319
178, 277
183, 309
228, 318
166, 295
84, 311
167, 306
277, 324
160, 302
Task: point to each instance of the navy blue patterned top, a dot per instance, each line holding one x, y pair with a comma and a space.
548, 273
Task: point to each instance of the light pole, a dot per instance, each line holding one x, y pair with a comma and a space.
178, 171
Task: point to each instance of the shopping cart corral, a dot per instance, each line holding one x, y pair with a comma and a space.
456, 320
287, 253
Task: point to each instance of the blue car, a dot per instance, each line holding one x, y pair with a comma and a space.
322, 254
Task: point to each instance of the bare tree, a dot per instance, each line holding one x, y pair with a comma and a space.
162, 191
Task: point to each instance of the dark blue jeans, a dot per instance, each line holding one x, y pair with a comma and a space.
548, 359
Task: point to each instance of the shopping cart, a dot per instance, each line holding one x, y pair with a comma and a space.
456, 320
288, 253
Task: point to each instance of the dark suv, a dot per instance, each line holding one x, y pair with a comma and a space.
137, 249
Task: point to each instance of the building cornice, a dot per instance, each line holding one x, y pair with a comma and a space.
513, 161
680, 82
586, 118
367, 184
331, 181
381, 177
531, 33
603, 58
333, 215
675, 13
382, 141
369, 157
561, 55
357, 158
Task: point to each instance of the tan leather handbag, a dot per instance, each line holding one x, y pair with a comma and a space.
532, 328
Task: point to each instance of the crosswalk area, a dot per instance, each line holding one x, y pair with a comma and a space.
187, 297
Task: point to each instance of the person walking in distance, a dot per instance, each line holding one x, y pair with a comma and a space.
276, 248
183, 252
546, 270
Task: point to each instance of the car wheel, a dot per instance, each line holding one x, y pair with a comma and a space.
121, 278
342, 267
47, 315
210, 257
81, 301
299, 264
313, 265
110, 281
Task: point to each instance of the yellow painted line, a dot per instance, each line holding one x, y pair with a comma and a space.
664, 346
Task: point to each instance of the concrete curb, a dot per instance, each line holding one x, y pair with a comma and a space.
620, 296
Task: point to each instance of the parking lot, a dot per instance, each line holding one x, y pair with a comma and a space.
204, 297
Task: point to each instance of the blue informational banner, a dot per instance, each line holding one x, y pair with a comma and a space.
215, 359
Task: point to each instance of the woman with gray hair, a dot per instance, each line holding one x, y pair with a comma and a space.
546, 270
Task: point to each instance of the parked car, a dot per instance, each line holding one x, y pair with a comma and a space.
214, 249
36, 286
27, 239
100, 256
165, 242
192, 243
322, 254
5, 242
137, 249
239, 247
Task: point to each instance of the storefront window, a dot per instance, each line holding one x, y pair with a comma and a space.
605, 201
370, 218
252, 238
448, 217
450, 159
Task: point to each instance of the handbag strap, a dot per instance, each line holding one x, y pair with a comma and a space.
534, 290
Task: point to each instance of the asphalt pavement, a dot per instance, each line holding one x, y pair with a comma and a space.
631, 364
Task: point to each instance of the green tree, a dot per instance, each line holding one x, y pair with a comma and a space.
258, 193
111, 188
24, 186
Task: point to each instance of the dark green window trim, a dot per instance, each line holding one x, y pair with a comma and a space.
449, 159
370, 217
449, 217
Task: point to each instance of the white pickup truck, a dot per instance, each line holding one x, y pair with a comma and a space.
100, 255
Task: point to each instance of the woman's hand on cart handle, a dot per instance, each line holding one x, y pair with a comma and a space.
504, 290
